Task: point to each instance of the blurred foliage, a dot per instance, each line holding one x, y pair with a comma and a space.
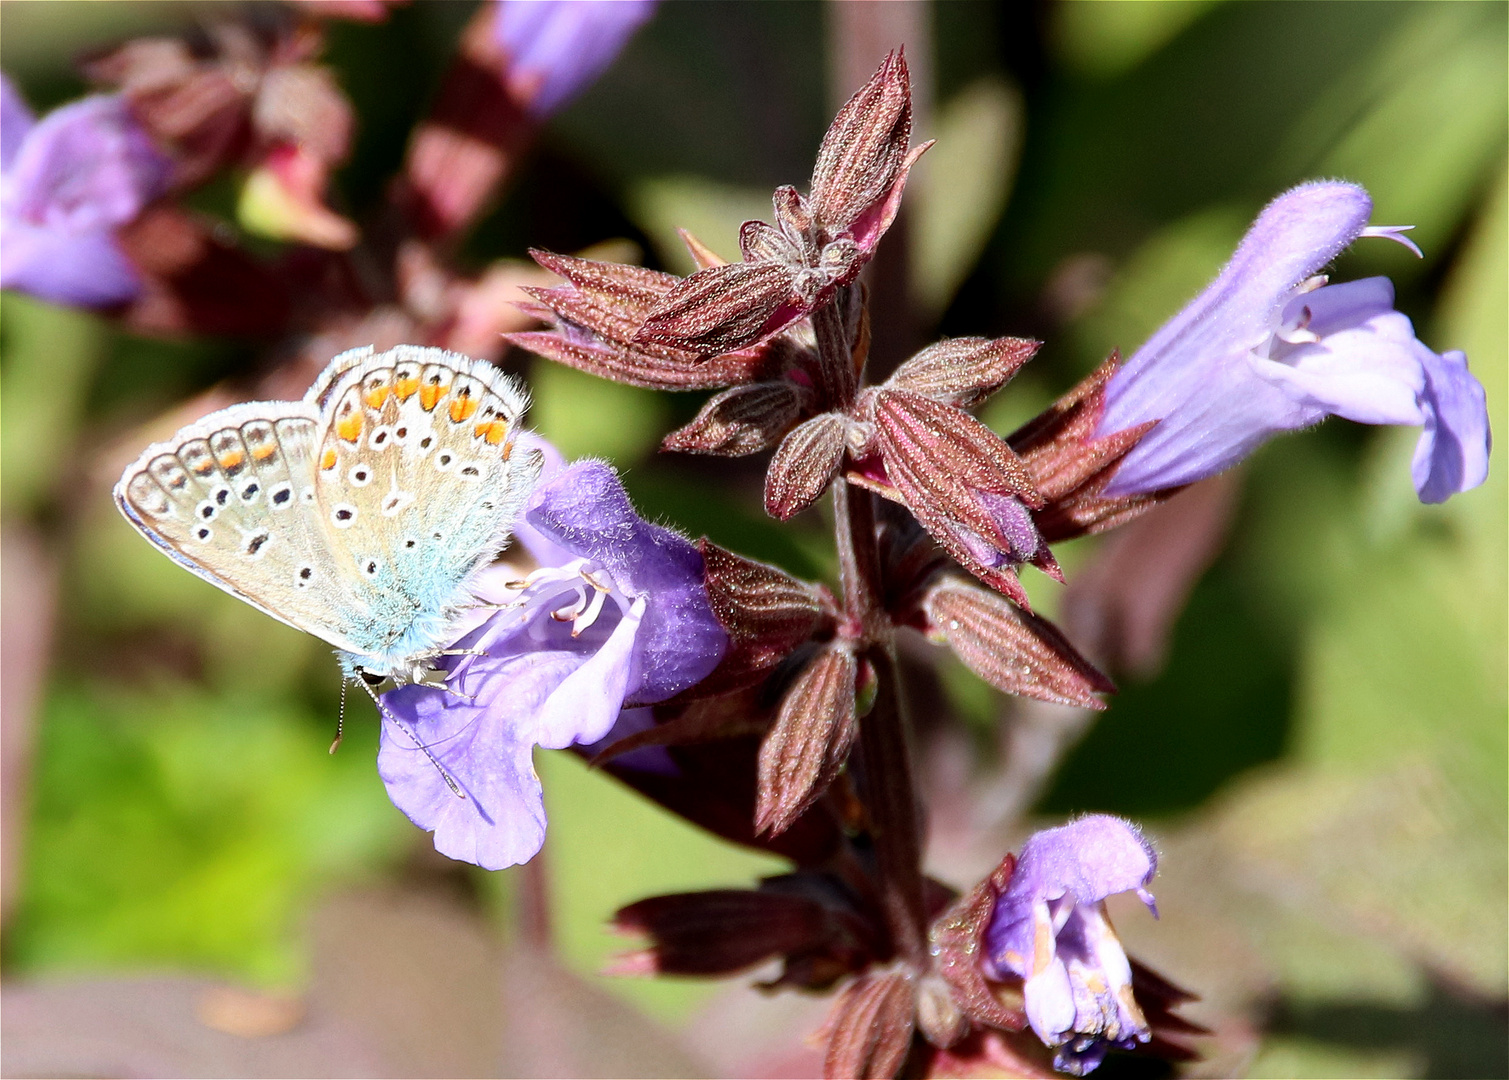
1332, 713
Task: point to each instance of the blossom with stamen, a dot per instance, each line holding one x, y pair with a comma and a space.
615, 617
1272, 347
1050, 930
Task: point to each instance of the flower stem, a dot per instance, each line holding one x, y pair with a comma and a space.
885, 780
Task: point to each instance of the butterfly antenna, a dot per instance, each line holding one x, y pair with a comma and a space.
340, 719
425, 750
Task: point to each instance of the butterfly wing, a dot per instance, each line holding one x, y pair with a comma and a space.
417, 486
231, 499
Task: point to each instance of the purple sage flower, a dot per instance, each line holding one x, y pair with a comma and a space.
615, 617
67, 183
1050, 929
1270, 347
557, 48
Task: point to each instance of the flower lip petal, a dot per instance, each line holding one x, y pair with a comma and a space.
1452, 454
86, 268
501, 821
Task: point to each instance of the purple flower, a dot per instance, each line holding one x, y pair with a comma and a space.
615, 617
66, 184
556, 48
1050, 929
1269, 347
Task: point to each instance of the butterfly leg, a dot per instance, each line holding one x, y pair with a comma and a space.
425, 750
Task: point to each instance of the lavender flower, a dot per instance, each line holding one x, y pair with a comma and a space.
66, 184
556, 48
1050, 929
616, 616
1269, 347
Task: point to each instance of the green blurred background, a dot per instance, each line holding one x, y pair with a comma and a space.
1323, 756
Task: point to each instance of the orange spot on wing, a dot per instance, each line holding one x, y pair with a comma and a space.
349, 427
494, 431
405, 388
262, 453
232, 459
462, 407
377, 395
430, 395
327, 459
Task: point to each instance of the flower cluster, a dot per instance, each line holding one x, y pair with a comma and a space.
767, 709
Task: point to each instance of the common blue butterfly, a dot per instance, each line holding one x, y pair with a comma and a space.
357, 514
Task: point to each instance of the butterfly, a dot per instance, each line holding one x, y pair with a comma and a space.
358, 514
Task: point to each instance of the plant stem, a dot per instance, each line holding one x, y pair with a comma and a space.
886, 786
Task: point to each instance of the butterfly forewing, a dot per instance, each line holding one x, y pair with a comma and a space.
417, 485
230, 497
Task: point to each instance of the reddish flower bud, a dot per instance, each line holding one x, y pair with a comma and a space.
717, 932
743, 420
863, 152
964, 485
805, 464
1014, 650
810, 741
767, 613
724, 308
870, 1029
963, 371
600, 309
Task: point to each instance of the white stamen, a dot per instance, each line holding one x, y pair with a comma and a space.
594, 608
1394, 233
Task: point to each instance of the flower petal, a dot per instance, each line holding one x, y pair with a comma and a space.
1452, 454
585, 705
85, 166
501, 821
1297, 234
16, 120
1049, 999
1230, 416
556, 48
586, 511
87, 269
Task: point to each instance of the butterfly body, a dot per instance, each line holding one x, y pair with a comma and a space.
357, 514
